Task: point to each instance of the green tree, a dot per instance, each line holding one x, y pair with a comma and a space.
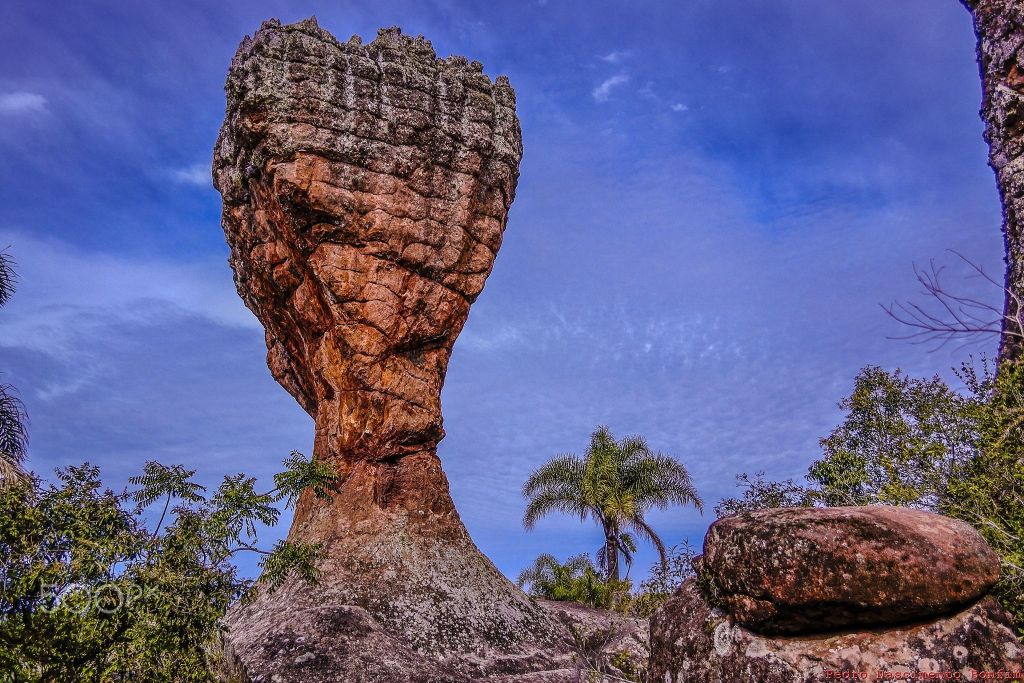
616, 483
988, 491
89, 593
759, 493
902, 441
13, 435
920, 443
578, 580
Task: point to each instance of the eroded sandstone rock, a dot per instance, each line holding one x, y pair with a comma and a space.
693, 642
999, 25
794, 570
365, 191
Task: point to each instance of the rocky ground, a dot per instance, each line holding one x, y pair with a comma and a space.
345, 643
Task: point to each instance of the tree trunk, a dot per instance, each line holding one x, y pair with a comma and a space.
611, 549
999, 26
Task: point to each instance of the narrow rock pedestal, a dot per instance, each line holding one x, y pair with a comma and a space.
365, 192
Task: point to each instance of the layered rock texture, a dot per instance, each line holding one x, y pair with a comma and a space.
794, 570
806, 595
365, 191
693, 642
999, 25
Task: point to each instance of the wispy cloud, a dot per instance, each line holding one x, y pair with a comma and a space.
65, 288
196, 174
679, 106
603, 92
21, 102
615, 57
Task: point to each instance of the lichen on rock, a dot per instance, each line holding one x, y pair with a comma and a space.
793, 570
804, 595
366, 188
694, 642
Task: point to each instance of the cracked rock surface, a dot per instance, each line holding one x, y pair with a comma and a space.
365, 191
999, 26
803, 595
794, 570
693, 642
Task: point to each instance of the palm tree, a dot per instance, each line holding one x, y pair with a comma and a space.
615, 484
13, 437
575, 581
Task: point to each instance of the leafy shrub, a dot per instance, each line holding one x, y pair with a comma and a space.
920, 443
578, 580
87, 592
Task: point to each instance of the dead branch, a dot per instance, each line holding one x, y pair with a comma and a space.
951, 315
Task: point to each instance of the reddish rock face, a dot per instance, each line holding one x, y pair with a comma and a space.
999, 25
365, 190
693, 642
796, 570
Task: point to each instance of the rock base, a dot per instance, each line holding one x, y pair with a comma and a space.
693, 642
329, 642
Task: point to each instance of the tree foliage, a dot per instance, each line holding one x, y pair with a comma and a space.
665, 578
616, 483
90, 593
577, 580
902, 441
920, 443
759, 493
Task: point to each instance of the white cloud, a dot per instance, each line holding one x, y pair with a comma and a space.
63, 289
615, 56
196, 174
603, 92
679, 106
21, 102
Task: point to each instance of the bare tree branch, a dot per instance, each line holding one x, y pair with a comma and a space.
952, 315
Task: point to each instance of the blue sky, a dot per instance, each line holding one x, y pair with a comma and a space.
715, 197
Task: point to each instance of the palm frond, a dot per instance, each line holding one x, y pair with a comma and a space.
555, 487
659, 481
8, 278
644, 529
13, 434
633, 448
577, 564
543, 504
543, 569
11, 472
565, 470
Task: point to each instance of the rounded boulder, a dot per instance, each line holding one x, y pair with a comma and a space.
801, 570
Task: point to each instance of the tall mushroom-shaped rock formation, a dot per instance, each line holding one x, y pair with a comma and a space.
999, 25
365, 191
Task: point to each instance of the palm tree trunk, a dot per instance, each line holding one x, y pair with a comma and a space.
611, 549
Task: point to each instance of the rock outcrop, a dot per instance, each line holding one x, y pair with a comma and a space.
693, 642
793, 570
999, 25
802, 595
365, 191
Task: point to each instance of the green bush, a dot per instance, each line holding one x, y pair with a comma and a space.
87, 592
922, 444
